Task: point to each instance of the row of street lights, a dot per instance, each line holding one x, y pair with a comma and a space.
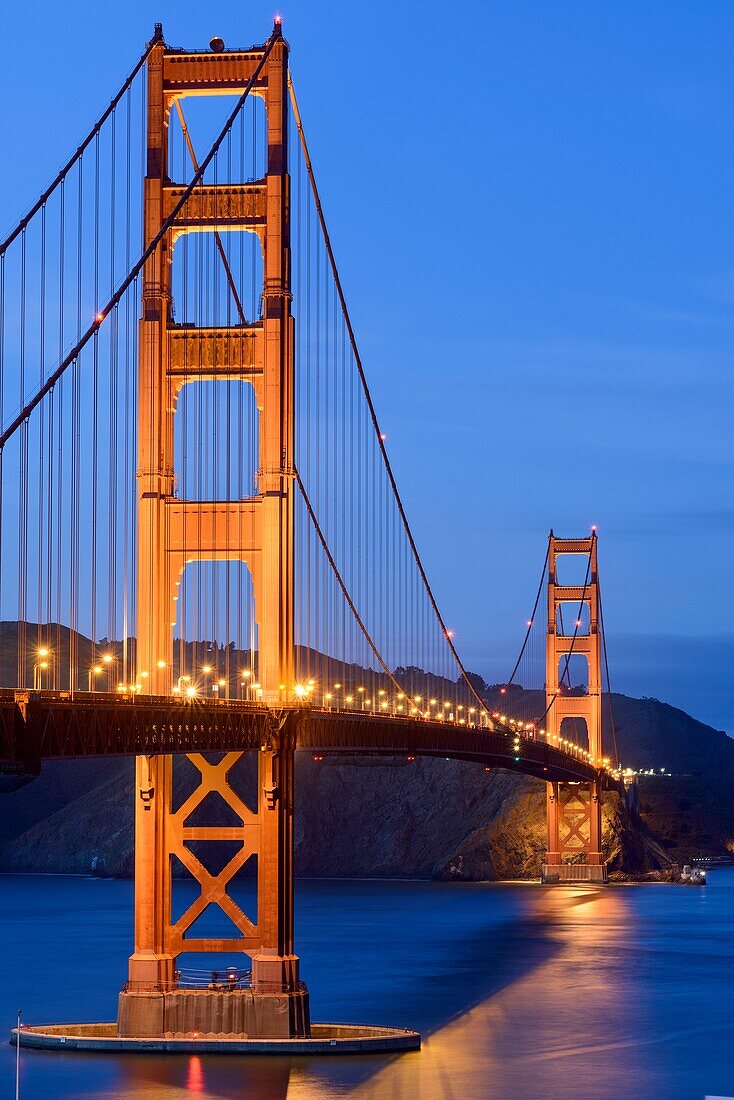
45, 660
249, 688
380, 701
360, 698
416, 706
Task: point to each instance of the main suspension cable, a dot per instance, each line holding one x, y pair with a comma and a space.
368, 397
556, 693
217, 234
340, 580
54, 377
531, 620
79, 151
609, 683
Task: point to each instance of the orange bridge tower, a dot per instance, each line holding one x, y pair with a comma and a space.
173, 533
574, 809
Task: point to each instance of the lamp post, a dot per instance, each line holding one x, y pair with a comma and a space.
44, 657
245, 683
108, 660
97, 670
181, 681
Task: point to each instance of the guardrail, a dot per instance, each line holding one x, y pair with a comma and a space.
221, 980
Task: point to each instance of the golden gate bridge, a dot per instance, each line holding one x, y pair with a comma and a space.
203, 549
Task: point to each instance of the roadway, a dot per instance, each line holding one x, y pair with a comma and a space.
46, 725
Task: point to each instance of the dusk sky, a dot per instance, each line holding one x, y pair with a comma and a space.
531, 205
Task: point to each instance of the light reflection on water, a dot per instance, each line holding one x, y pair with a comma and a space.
519, 991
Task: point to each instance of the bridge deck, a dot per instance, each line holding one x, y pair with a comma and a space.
37, 726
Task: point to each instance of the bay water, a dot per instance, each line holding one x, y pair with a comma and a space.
520, 991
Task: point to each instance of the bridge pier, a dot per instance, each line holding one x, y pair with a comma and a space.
155, 1001
573, 812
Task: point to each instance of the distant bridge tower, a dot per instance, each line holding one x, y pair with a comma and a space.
174, 532
574, 809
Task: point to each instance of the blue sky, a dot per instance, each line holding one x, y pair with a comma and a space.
531, 205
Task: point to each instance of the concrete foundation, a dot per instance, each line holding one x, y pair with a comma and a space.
193, 1012
561, 873
324, 1039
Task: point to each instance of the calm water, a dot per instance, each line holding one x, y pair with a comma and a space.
519, 992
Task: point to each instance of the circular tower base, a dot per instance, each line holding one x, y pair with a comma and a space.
324, 1039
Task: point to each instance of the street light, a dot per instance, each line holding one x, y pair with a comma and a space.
44, 656
107, 660
38, 670
96, 671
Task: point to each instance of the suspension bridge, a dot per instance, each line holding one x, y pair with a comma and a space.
204, 554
